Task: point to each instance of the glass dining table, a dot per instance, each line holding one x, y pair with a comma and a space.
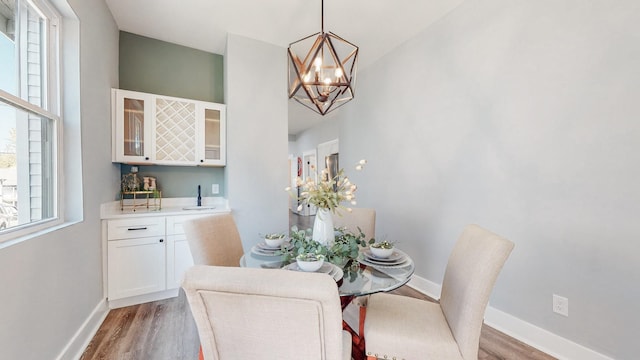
370, 276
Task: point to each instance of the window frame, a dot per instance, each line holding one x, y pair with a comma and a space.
51, 110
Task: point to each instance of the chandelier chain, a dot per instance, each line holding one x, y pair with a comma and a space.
322, 16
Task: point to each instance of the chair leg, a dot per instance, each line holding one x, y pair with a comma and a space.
363, 314
358, 346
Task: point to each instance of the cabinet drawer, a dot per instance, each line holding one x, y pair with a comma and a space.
135, 228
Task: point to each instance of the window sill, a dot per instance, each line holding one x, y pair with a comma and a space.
29, 232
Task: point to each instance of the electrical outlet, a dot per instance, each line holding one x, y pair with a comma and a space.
560, 305
215, 188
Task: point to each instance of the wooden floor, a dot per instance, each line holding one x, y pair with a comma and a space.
165, 330
160, 330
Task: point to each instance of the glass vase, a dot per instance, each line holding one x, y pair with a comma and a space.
323, 228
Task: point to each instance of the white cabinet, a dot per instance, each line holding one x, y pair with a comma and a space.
146, 258
132, 127
136, 257
136, 267
164, 130
212, 142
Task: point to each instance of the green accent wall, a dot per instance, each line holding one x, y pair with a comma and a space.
182, 181
158, 67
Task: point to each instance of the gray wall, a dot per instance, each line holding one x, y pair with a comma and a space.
257, 170
159, 67
52, 283
521, 116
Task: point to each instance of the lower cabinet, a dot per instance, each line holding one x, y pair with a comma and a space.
146, 258
136, 267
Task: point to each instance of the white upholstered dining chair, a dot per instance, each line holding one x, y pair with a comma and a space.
248, 313
362, 218
399, 327
365, 220
214, 240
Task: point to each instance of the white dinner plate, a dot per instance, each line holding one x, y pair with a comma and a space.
262, 249
327, 268
258, 251
404, 261
396, 256
338, 274
387, 265
265, 247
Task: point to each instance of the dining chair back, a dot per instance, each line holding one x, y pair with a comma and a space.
363, 218
417, 329
249, 313
471, 273
214, 240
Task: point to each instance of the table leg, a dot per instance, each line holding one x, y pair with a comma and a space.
357, 339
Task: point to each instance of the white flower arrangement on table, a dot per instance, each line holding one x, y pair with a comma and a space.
344, 252
328, 194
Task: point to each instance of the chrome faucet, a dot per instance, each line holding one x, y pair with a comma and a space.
199, 197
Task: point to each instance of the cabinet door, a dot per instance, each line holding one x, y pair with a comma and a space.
175, 131
132, 127
179, 259
212, 140
135, 267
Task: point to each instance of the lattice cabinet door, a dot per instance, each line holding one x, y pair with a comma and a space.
175, 131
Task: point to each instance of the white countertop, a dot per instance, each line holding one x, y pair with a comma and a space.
170, 206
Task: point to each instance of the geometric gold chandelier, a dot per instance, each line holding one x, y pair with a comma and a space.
322, 78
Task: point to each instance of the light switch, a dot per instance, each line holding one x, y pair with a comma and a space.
215, 188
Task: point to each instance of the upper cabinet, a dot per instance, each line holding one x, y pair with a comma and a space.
212, 144
132, 126
163, 130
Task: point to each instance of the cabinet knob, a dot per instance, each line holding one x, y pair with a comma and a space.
201, 160
161, 240
146, 158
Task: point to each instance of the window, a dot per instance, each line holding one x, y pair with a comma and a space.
29, 115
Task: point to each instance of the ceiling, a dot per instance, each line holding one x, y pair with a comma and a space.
375, 26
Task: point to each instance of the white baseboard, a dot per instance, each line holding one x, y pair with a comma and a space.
425, 286
141, 299
80, 340
529, 334
539, 338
